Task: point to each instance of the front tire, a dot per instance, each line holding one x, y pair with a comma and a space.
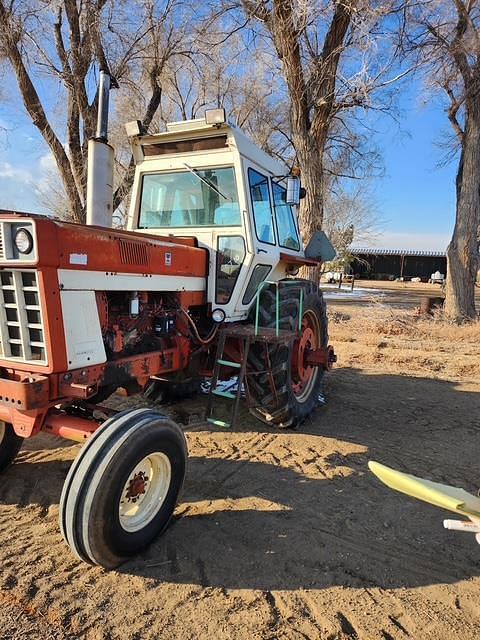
121, 491
10, 445
298, 386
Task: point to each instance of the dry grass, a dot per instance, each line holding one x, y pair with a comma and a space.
404, 342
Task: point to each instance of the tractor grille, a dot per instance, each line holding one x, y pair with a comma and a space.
133, 252
22, 336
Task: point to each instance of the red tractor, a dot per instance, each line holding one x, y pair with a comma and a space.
85, 309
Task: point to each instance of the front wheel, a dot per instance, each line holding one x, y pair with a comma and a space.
121, 491
10, 445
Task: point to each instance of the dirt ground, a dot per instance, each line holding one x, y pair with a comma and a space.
281, 534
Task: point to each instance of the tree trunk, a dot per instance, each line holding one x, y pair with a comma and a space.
311, 207
462, 252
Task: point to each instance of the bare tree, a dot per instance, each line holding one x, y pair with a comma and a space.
334, 61
351, 217
226, 74
445, 36
65, 43
295, 83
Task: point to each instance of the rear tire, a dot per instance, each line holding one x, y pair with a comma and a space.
298, 386
10, 445
121, 490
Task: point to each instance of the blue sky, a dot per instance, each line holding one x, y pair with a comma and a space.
416, 196
415, 199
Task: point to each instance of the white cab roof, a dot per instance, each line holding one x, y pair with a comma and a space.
192, 129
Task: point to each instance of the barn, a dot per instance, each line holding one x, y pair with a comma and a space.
389, 264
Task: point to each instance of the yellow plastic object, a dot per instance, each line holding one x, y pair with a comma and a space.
440, 495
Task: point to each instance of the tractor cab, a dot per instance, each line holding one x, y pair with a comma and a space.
205, 179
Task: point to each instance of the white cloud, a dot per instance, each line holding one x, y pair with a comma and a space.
19, 187
47, 174
47, 162
16, 173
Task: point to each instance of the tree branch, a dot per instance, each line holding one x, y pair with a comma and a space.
455, 105
36, 111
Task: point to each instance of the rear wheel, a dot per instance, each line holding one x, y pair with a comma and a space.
297, 384
10, 445
120, 492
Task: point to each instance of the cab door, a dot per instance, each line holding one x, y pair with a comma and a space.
263, 238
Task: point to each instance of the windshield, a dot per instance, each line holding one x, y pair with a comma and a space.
190, 198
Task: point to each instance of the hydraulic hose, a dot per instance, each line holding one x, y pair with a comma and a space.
206, 340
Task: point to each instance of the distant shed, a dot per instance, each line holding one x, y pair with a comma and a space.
388, 264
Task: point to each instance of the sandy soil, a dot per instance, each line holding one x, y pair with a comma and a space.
279, 534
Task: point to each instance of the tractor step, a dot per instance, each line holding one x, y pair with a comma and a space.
228, 363
223, 394
221, 361
246, 334
219, 423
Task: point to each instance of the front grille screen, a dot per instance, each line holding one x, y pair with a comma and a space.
22, 336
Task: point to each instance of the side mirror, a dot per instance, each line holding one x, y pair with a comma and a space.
293, 190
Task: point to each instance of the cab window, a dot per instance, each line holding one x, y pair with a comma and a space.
286, 227
191, 198
259, 274
261, 206
230, 257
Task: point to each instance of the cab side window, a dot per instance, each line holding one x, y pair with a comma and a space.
261, 206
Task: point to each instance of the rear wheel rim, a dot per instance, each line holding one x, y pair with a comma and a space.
2, 431
144, 492
305, 376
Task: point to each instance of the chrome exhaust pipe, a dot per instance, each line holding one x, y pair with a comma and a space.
100, 162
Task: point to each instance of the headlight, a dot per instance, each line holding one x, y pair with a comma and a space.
23, 241
218, 315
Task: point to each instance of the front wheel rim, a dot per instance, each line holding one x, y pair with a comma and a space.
2, 431
144, 492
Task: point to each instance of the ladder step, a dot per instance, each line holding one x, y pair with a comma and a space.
227, 363
223, 394
218, 423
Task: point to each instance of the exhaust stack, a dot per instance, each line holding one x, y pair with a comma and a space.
100, 163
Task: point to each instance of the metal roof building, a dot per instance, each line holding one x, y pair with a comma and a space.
399, 252
388, 264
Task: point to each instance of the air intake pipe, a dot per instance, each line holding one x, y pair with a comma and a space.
100, 162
